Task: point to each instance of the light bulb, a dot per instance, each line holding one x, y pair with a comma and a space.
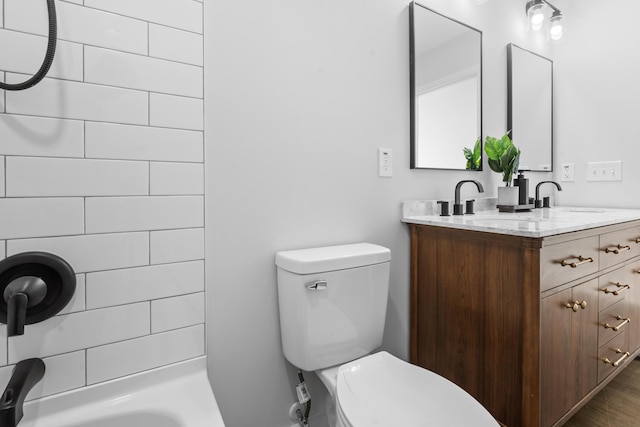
555, 32
537, 18
535, 13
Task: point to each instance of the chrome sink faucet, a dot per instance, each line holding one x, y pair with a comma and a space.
457, 206
25, 375
538, 202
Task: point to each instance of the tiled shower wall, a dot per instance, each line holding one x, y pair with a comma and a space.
102, 163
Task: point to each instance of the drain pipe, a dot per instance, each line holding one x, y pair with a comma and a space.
303, 397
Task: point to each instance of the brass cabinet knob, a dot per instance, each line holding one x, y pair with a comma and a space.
575, 305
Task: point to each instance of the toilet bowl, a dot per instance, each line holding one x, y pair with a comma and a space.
333, 303
383, 391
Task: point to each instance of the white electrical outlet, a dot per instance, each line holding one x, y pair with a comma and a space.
567, 172
385, 162
604, 171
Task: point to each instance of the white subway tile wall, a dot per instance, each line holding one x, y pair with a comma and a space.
40, 136
91, 252
177, 245
42, 177
117, 287
78, 299
78, 100
77, 331
183, 14
177, 45
176, 178
162, 112
66, 65
79, 24
63, 372
113, 141
32, 217
116, 214
104, 66
127, 357
165, 312
102, 163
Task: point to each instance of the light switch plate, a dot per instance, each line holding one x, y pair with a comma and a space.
604, 171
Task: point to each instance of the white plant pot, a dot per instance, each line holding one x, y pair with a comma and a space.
508, 196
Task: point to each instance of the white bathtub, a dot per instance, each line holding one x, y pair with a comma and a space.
174, 396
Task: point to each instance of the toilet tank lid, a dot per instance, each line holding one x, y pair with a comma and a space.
331, 258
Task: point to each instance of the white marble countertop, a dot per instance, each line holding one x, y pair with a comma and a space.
537, 223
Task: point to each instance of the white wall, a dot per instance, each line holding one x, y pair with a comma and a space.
299, 96
102, 164
597, 97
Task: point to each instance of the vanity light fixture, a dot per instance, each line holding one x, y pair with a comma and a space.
535, 14
555, 32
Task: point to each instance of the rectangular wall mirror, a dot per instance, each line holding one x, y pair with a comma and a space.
446, 90
530, 107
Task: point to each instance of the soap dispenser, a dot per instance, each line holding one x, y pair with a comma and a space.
523, 188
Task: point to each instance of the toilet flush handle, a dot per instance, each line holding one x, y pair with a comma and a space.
318, 285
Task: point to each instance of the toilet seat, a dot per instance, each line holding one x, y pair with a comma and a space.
381, 390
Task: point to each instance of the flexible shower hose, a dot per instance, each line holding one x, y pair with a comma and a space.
48, 59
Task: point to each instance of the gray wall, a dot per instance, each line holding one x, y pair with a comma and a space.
597, 100
299, 96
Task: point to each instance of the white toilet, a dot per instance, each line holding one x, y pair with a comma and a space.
333, 303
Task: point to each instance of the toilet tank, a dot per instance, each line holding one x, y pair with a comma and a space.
333, 303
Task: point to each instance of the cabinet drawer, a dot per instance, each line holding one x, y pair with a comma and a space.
611, 356
612, 321
567, 261
619, 246
613, 287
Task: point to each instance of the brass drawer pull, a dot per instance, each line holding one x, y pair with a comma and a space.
581, 260
638, 240
619, 361
617, 328
576, 304
617, 249
621, 288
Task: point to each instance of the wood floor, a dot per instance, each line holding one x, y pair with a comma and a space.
617, 405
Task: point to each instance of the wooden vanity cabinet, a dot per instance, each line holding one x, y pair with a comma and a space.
568, 348
516, 324
633, 305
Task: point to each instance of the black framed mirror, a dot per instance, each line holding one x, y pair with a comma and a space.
530, 107
446, 91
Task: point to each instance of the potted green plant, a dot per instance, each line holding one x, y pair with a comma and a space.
503, 157
474, 157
